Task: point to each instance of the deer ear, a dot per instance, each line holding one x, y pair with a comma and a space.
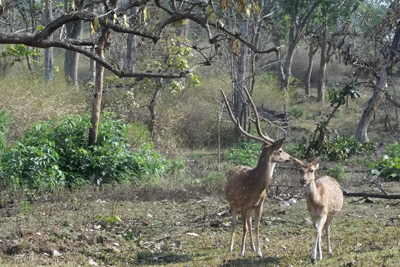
316, 162
277, 144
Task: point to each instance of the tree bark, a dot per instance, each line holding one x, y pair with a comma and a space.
322, 68
48, 52
98, 89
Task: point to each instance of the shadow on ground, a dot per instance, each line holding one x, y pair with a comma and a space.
148, 258
267, 261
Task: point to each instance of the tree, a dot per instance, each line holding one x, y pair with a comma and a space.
380, 88
334, 30
111, 16
383, 48
48, 52
298, 13
312, 49
73, 31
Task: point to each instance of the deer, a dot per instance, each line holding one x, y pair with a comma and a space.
324, 200
246, 187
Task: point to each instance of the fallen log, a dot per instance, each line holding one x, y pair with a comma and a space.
365, 195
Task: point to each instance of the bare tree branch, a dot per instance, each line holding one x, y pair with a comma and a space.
392, 100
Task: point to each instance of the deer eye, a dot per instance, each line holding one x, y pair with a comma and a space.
311, 170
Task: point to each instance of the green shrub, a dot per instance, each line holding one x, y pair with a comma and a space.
297, 112
337, 148
245, 152
337, 172
388, 165
297, 150
53, 154
4, 126
341, 148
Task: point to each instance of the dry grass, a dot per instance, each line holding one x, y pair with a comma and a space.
30, 99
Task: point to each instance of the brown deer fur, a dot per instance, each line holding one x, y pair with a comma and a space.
246, 188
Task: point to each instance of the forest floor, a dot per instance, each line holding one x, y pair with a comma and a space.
122, 226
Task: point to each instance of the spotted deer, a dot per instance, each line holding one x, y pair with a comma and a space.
324, 200
246, 187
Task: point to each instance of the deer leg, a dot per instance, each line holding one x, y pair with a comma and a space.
245, 214
318, 225
328, 242
258, 213
234, 218
249, 226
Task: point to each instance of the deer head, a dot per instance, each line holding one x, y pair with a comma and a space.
307, 170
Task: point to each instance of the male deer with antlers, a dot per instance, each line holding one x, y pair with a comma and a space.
324, 200
246, 187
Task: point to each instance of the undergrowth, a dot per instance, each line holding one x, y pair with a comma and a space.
56, 153
388, 166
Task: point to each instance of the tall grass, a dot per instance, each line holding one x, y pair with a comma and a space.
30, 99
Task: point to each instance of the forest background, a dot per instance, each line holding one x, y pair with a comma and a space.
119, 101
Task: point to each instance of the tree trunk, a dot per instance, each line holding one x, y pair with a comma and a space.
92, 63
98, 89
372, 106
131, 52
74, 30
48, 52
307, 80
71, 59
241, 76
288, 65
281, 71
323, 62
152, 109
375, 100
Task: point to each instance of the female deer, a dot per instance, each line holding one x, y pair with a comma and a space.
246, 187
324, 200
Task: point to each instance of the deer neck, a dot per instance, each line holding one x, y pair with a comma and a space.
312, 193
265, 167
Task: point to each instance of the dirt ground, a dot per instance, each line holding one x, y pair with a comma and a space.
188, 227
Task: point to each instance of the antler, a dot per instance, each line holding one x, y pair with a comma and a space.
257, 122
263, 138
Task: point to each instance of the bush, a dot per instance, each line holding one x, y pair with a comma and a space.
245, 152
337, 148
341, 148
388, 165
4, 126
337, 172
53, 154
297, 112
